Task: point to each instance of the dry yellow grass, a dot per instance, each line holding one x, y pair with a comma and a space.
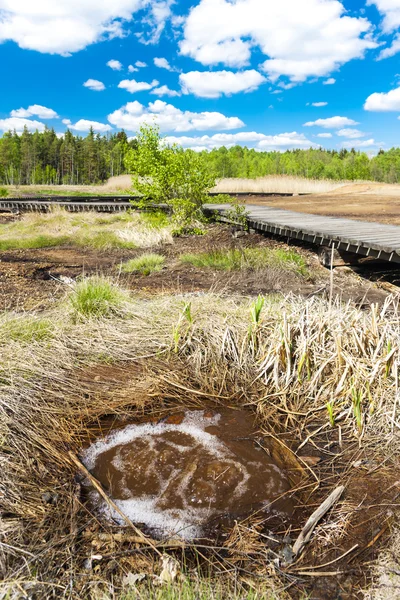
283, 184
269, 184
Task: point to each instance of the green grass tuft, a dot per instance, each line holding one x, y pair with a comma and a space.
26, 329
104, 240
249, 258
200, 589
144, 264
34, 241
155, 219
97, 297
109, 219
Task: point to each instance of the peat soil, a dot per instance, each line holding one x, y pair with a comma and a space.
336, 563
36, 278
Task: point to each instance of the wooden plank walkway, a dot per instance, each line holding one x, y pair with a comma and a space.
27, 205
361, 237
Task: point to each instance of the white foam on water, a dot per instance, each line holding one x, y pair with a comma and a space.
185, 522
192, 425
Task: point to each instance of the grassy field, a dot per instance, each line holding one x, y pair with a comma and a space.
319, 376
86, 230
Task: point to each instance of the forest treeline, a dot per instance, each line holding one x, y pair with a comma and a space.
47, 158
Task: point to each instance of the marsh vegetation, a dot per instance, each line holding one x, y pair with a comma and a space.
113, 325
311, 376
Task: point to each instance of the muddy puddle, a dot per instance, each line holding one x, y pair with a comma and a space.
185, 475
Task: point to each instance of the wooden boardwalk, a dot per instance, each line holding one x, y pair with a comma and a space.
361, 237
27, 205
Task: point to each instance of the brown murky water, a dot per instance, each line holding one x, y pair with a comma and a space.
178, 475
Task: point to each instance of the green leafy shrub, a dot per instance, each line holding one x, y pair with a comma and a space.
144, 264
219, 199
168, 174
238, 214
188, 230
3, 192
97, 297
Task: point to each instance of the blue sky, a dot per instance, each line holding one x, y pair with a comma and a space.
218, 72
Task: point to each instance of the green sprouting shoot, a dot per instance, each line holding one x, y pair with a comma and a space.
357, 398
331, 414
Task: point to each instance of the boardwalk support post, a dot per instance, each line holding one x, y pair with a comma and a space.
338, 258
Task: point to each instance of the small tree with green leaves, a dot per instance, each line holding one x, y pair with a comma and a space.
164, 173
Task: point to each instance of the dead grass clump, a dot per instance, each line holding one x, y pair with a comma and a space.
285, 359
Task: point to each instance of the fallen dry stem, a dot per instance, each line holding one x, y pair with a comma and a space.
97, 486
317, 515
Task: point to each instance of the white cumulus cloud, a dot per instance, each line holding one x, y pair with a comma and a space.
381, 102
162, 63
66, 26
331, 123
324, 135
95, 85
85, 125
35, 110
213, 84
140, 64
330, 81
169, 118
115, 65
371, 143
133, 86
351, 133
319, 104
261, 141
390, 10
19, 123
165, 91
299, 39
391, 50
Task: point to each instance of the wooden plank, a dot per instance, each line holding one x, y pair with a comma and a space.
360, 235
